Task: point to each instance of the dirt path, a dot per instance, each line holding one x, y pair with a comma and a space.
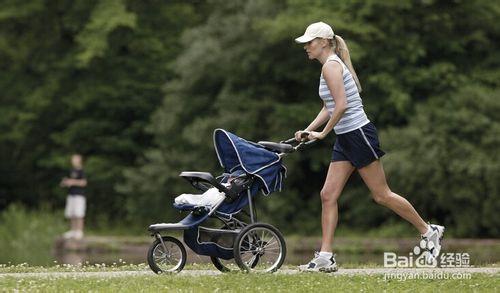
190, 273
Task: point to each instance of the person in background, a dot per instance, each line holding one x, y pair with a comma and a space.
75, 201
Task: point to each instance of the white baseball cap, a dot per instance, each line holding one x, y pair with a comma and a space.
316, 30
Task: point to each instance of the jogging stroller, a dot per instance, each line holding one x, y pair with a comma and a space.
248, 168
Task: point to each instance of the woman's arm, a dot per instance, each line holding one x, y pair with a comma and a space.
319, 120
332, 73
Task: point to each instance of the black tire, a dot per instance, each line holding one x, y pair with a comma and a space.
250, 242
172, 243
217, 262
219, 265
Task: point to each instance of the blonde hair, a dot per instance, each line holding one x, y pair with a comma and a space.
340, 48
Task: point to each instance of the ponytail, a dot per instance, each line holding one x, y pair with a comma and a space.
343, 52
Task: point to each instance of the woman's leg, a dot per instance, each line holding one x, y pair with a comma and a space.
374, 177
337, 176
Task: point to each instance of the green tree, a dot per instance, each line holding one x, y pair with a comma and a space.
81, 76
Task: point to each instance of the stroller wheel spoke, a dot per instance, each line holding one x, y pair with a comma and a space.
251, 261
271, 242
272, 252
262, 239
273, 249
252, 252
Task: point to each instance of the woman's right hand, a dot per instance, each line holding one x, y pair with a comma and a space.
300, 135
297, 135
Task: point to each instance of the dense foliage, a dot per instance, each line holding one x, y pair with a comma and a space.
139, 86
81, 76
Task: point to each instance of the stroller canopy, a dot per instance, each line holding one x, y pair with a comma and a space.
236, 153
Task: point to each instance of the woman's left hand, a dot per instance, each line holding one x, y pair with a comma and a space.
315, 135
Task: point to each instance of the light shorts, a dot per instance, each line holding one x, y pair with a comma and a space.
75, 206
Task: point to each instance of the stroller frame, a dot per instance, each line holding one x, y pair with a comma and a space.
253, 242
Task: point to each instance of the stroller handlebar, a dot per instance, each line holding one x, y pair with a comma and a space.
304, 144
289, 141
301, 145
287, 146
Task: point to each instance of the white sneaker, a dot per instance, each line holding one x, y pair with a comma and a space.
433, 239
320, 264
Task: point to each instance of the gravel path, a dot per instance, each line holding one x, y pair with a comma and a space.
190, 273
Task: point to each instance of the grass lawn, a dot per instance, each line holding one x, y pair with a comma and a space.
240, 282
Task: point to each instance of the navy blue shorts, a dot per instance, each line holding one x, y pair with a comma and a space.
360, 146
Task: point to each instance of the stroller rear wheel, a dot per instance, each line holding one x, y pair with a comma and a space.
169, 256
259, 247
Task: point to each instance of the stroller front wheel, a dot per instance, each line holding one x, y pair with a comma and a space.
259, 247
169, 256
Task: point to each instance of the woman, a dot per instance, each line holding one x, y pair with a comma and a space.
356, 145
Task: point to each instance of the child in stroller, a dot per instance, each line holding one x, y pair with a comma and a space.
249, 167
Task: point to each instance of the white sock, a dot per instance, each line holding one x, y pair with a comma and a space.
429, 231
325, 254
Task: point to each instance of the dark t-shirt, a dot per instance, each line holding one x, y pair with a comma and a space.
76, 174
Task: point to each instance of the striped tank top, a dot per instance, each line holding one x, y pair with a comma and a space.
354, 116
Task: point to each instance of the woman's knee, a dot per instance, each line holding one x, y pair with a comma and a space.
329, 195
382, 197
